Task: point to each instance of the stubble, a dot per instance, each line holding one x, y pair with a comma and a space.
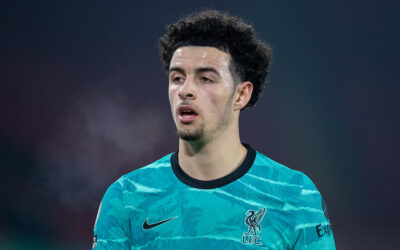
200, 133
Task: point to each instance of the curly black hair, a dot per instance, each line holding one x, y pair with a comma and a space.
211, 28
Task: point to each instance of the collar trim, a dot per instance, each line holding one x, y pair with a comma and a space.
225, 180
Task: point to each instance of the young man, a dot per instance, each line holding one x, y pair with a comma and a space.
214, 192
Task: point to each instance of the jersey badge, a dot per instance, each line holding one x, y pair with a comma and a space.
253, 221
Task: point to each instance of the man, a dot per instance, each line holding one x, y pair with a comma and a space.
214, 192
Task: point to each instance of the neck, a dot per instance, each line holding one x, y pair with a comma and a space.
214, 158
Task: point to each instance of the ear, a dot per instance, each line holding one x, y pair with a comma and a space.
242, 95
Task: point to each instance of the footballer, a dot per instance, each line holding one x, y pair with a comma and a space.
214, 192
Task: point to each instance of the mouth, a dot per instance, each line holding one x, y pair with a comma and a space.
187, 114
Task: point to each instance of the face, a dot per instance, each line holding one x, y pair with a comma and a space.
200, 92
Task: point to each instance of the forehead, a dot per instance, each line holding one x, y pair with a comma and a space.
199, 56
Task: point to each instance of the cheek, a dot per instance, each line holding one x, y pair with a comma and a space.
171, 93
217, 102
220, 96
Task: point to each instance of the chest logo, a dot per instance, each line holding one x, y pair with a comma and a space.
147, 226
253, 221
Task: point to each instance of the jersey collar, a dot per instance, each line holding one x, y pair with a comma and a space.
239, 172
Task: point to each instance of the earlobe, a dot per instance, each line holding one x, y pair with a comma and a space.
243, 95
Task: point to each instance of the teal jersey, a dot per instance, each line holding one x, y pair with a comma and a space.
262, 204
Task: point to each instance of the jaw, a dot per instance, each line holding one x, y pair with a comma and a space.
191, 134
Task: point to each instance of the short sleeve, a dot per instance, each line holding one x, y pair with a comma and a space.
111, 230
313, 229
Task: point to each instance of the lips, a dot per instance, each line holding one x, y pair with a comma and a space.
187, 113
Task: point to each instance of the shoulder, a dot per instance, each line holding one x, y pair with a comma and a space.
295, 187
302, 203
145, 177
277, 172
161, 165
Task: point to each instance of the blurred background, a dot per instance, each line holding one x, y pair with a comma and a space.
83, 100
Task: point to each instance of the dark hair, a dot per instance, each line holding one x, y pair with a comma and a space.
250, 56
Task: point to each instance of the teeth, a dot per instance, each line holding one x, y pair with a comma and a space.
187, 111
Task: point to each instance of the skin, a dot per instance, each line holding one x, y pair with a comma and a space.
209, 146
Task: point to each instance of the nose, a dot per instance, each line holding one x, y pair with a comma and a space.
188, 90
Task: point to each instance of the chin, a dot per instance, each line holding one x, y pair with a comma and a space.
190, 135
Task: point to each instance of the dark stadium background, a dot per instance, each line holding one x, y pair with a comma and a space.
83, 100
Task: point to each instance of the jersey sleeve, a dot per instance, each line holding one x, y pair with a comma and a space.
313, 228
111, 230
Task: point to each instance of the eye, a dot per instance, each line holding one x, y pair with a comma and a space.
177, 79
206, 80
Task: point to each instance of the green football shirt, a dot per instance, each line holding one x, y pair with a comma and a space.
262, 204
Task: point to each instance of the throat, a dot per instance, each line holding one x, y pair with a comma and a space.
210, 163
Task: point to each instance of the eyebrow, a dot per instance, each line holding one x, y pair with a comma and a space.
198, 70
